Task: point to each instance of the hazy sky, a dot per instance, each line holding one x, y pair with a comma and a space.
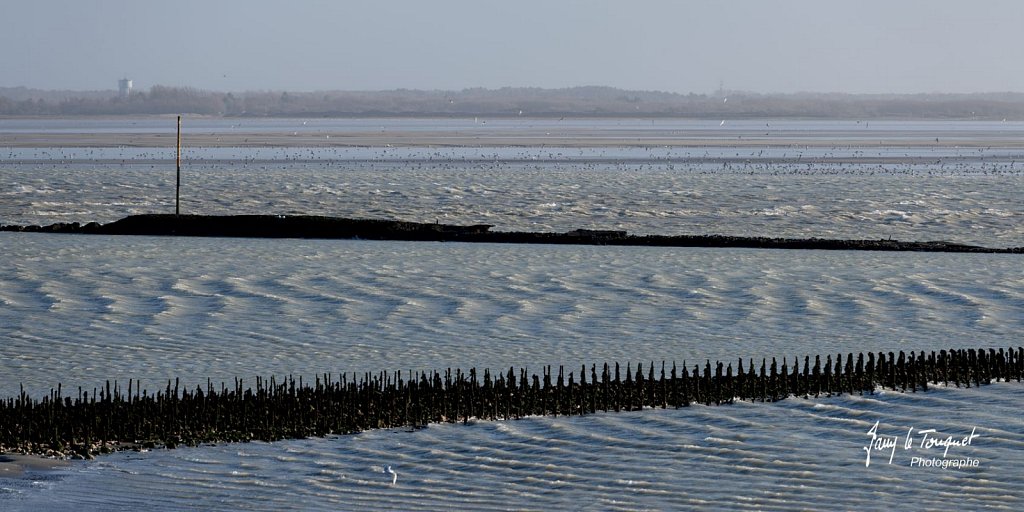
681, 46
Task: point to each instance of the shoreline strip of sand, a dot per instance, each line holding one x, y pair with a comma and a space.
526, 138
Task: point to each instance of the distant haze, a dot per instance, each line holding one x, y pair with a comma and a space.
783, 46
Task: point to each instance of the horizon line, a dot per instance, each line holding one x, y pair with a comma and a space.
719, 92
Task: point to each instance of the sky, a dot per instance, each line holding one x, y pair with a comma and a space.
781, 46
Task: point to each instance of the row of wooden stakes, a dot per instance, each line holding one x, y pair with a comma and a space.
112, 418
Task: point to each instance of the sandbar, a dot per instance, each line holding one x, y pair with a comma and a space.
523, 137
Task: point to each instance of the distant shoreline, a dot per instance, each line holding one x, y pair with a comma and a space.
539, 137
583, 101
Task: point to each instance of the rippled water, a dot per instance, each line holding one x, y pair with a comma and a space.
83, 309
795, 185
795, 454
965, 203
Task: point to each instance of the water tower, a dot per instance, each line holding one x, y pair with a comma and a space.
124, 88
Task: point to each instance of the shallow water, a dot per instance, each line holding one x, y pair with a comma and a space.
79, 310
795, 454
86, 308
82, 309
785, 188
854, 202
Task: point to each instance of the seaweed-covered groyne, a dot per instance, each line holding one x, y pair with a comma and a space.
310, 226
112, 417
260, 226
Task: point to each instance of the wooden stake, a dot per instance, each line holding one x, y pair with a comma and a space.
177, 188
295, 408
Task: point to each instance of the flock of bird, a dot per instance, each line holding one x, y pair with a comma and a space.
435, 163
782, 161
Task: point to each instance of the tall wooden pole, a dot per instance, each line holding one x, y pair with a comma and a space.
177, 188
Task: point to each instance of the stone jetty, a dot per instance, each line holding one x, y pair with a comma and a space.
310, 226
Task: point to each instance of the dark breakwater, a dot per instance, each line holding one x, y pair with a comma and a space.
309, 226
113, 418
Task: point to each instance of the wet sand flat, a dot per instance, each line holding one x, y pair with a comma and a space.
15, 465
574, 137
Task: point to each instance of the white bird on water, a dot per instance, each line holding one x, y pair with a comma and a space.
394, 476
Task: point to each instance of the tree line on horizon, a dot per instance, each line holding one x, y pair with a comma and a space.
591, 101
